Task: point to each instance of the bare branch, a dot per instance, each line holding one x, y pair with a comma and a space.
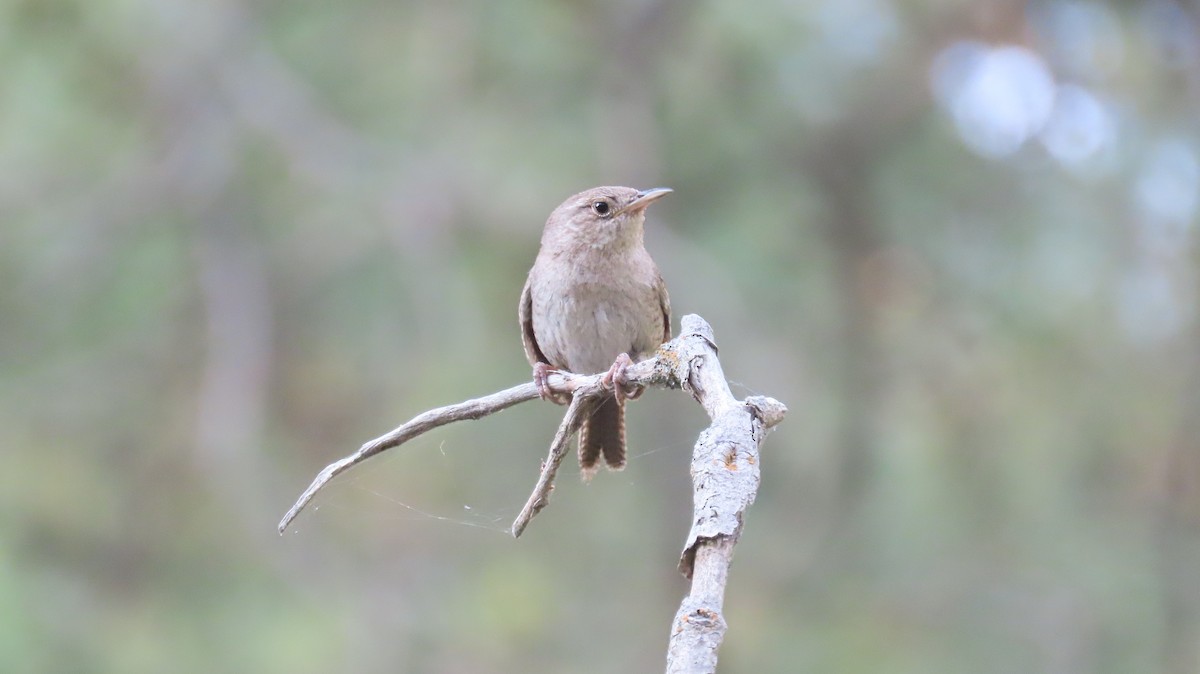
725, 477
576, 413
725, 470
471, 409
583, 387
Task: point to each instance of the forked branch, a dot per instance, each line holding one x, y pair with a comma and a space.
725, 470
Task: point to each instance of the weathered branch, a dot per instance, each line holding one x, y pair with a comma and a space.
725, 477
725, 471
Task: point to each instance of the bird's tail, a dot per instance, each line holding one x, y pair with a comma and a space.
603, 433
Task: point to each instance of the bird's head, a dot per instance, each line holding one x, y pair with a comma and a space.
602, 217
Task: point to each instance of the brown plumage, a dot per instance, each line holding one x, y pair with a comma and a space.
592, 295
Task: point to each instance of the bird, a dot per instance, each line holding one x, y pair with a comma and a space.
595, 301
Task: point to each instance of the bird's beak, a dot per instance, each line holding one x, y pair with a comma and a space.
647, 197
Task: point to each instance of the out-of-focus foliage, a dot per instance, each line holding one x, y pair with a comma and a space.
957, 238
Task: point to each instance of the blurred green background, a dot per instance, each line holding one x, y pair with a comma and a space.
957, 238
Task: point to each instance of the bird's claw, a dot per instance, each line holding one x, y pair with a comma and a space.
616, 379
541, 372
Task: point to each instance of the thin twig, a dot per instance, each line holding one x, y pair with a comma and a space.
576, 413
586, 387
427, 421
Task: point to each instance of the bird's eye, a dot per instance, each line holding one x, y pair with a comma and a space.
601, 208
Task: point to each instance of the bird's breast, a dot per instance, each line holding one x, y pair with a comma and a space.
583, 320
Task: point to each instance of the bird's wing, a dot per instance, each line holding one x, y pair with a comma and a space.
664, 302
533, 353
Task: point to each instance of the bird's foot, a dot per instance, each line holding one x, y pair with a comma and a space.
616, 379
540, 372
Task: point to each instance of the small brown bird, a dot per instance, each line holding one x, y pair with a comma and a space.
595, 301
